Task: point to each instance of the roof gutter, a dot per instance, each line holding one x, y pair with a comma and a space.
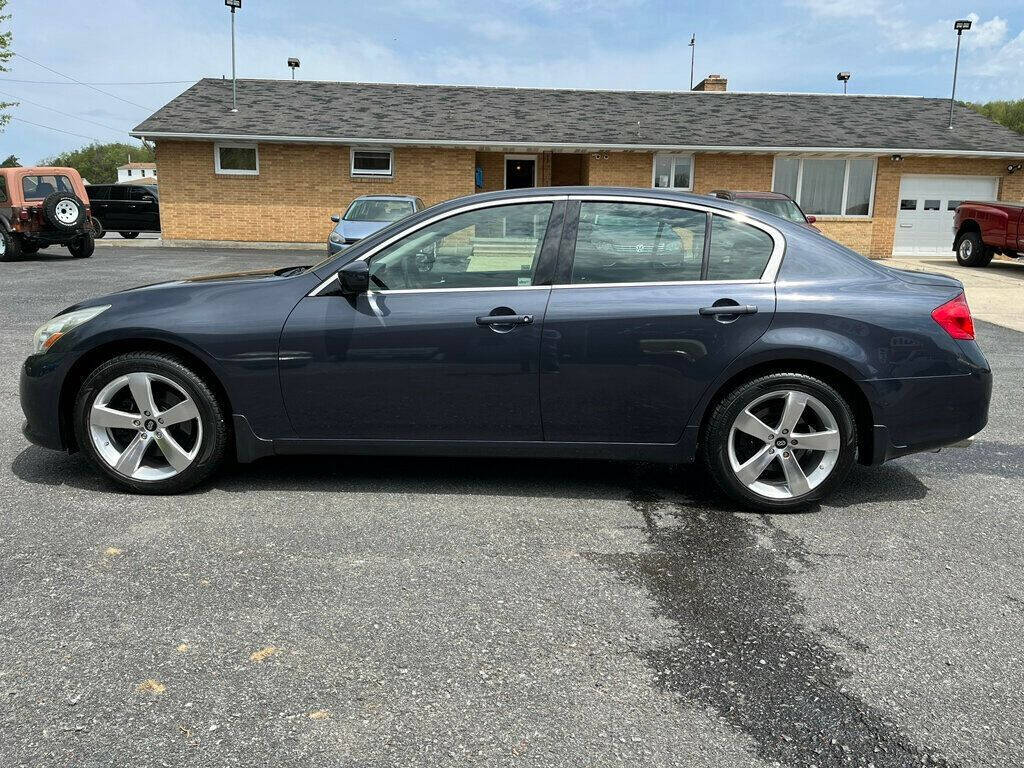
362, 141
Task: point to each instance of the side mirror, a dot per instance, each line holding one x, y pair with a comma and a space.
811, 219
354, 278
335, 218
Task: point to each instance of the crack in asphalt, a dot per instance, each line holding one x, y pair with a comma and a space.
739, 647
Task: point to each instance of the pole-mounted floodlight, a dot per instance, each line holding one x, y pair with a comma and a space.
293, 64
234, 5
843, 77
693, 50
959, 25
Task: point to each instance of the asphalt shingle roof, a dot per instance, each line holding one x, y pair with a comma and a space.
510, 116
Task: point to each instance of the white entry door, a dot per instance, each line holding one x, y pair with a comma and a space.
924, 224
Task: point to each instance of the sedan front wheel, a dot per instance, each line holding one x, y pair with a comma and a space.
780, 442
150, 423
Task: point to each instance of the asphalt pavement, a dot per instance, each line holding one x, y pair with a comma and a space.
467, 612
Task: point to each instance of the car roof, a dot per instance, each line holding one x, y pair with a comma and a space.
403, 198
753, 194
33, 170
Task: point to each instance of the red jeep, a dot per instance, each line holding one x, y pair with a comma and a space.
43, 206
981, 230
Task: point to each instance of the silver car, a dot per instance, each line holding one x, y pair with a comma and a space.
368, 214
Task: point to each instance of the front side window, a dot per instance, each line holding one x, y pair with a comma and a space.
237, 159
738, 251
3, 190
372, 162
673, 171
636, 243
827, 186
378, 210
494, 247
39, 187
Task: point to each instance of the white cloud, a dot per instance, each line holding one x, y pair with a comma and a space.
939, 35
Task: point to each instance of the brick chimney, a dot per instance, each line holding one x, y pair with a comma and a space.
711, 83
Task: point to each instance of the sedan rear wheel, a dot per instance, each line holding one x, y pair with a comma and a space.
780, 442
150, 423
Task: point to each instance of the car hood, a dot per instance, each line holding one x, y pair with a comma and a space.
357, 230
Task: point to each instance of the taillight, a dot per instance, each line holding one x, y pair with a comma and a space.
955, 318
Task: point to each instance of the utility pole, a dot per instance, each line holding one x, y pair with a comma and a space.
233, 5
693, 49
959, 25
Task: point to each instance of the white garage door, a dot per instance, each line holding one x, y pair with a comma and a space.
924, 224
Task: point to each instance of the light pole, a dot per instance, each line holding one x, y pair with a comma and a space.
960, 25
293, 64
233, 5
845, 78
693, 50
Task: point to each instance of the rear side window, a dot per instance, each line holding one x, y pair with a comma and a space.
97, 192
637, 243
39, 187
738, 251
116, 192
3, 190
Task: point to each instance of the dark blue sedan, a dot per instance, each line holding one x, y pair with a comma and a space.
565, 322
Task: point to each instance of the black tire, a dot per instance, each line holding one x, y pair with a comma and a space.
971, 251
718, 426
97, 228
129, 235
10, 245
83, 247
212, 412
64, 211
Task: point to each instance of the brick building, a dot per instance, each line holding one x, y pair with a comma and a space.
881, 173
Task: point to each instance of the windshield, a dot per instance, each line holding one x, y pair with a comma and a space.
40, 187
378, 210
787, 209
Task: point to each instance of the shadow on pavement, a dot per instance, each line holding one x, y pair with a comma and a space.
483, 476
740, 648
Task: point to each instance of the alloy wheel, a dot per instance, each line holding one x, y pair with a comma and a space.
784, 444
145, 426
966, 248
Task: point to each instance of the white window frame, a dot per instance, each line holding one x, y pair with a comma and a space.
232, 171
390, 172
846, 184
672, 171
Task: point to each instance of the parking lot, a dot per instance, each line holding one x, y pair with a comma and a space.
384, 612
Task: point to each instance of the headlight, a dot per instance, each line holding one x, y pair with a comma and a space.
336, 238
49, 333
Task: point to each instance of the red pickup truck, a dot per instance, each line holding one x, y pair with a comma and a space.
981, 230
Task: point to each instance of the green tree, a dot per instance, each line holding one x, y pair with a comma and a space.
11, 162
98, 162
5, 56
1008, 113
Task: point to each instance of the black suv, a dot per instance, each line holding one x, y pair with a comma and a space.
125, 208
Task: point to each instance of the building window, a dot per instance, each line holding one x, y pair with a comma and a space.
827, 186
673, 171
373, 162
239, 159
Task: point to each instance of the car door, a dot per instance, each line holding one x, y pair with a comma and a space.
651, 302
427, 353
115, 216
143, 209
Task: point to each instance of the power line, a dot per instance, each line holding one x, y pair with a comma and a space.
58, 130
92, 87
59, 112
128, 82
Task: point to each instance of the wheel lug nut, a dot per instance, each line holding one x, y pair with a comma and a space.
771, 450
794, 442
148, 413
136, 422
785, 431
785, 454
160, 420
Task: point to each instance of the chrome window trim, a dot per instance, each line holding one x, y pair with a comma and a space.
769, 275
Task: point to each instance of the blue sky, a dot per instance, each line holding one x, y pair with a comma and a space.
787, 45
